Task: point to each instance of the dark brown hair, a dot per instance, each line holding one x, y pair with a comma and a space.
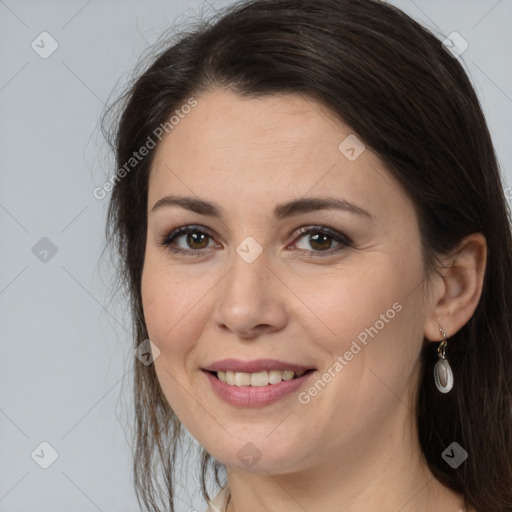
412, 103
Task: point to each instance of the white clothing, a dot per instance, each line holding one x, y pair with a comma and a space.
219, 503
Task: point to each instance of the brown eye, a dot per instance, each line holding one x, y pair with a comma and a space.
195, 239
321, 240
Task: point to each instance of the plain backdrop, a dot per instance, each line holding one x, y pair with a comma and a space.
66, 349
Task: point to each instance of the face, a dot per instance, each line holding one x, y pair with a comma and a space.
344, 299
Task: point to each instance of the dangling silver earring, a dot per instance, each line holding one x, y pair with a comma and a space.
443, 374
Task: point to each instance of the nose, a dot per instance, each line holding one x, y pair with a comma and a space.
250, 299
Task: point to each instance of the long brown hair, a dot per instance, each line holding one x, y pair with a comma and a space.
412, 103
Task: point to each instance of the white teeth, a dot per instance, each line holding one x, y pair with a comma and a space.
288, 375
275, 376
242, 379
257, 379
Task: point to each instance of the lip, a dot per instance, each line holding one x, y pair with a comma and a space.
255, 396
257, 365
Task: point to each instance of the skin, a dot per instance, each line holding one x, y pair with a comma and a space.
354, 446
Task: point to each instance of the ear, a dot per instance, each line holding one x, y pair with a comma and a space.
457, 290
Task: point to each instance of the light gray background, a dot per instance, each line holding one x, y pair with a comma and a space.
66, 353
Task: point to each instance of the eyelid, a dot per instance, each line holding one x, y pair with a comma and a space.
342, 239
336, 235
170, 236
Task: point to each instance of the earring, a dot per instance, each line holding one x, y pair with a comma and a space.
443, 374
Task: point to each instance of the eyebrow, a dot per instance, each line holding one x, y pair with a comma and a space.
281, 211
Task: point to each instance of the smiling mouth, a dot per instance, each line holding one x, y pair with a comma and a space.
257, 379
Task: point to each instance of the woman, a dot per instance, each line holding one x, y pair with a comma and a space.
315, 238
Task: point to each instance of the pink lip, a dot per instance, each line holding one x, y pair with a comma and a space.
258, 365
255, 396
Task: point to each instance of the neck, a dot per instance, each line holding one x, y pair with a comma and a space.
384, 472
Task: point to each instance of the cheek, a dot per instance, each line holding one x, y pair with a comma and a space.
168, 312
367, 297
372, 317
173, 309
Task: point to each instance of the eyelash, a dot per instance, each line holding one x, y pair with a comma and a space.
343, 240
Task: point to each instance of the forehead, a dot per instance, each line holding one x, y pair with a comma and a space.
253, 151
282, 127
